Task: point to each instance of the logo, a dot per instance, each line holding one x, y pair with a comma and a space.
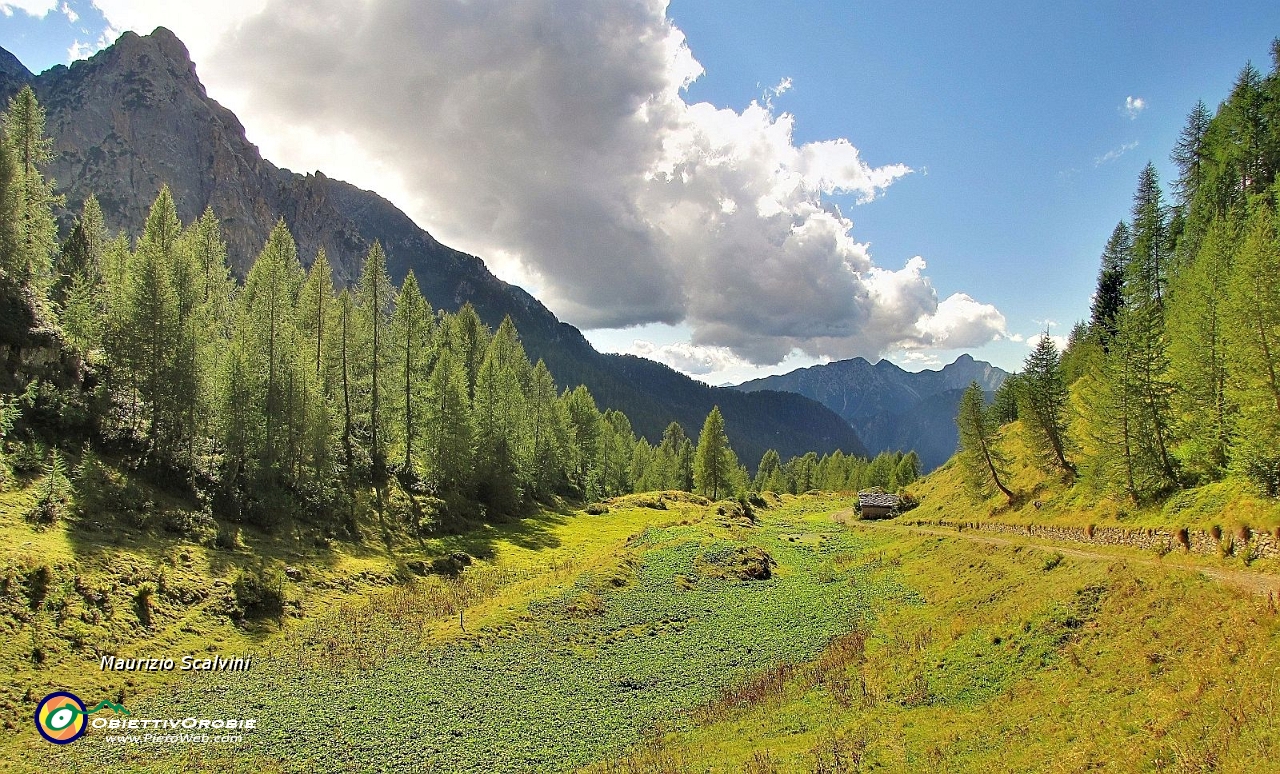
61, 717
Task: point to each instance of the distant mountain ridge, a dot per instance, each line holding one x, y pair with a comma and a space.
135, 116
889, 407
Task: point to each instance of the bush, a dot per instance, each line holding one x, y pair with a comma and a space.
54, 493
142, 603
259, 590
227, 538
1263, 469
597, 509
452, 564
196, 525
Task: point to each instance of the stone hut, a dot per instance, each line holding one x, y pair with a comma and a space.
878, 505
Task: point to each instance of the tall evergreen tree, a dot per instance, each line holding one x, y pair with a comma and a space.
1108, 299
546, 434
1042, 406
770, 466
1253, 349
982, 462
411, 345
1198, 362
374, 302
152, 323
1189, 154
585, 440
450, 433
267, 307
315, 305
500, 409
36, 233
714, 461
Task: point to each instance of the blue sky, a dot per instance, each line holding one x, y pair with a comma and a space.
1024, 126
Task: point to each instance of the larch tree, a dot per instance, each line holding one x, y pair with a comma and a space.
36, 233
152, 323
450, 443
1108, 298
714, 461
1042, 406
411, 346
374, 300
1198, 362
982, 462
1253, 348
499, 408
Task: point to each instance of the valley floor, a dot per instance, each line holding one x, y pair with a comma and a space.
672, 635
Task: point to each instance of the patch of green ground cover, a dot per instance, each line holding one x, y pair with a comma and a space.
1014, 666
573, 681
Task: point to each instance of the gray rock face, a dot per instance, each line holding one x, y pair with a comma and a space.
135, 117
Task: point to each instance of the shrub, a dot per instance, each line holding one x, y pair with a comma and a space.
453, 564
196, 525
1052, 561
259, 590
142, 603
597, 509
227, 538
54, 493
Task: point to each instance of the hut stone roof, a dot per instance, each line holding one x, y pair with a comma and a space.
878, 500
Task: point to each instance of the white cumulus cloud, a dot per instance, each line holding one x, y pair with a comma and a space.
689, 358
1133, 106
37, 8
556, 135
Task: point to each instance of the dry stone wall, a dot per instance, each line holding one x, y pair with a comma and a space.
1242, 542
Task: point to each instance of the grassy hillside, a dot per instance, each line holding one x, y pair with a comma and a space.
1229, 505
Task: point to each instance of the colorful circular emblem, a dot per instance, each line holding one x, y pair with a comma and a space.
61, 717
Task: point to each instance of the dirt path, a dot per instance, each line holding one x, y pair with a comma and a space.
1253, 582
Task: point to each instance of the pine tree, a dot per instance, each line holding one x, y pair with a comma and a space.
1198, 361
1189, 154
470, 338
546, 434
770, 464
449, 448
152, 322
617, 453
344, 354
1042, 406
500, 408
36, 233
411, 345
1141, 329
1253, 350
1108, 299
585, 440
374, 302
714, 461
1004, 407
907, 470
267, 306
982, 463
79, 285
315, 305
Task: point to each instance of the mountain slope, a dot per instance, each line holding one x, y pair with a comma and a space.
891, 408
135, 117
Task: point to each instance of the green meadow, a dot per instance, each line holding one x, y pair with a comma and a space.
671, 634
